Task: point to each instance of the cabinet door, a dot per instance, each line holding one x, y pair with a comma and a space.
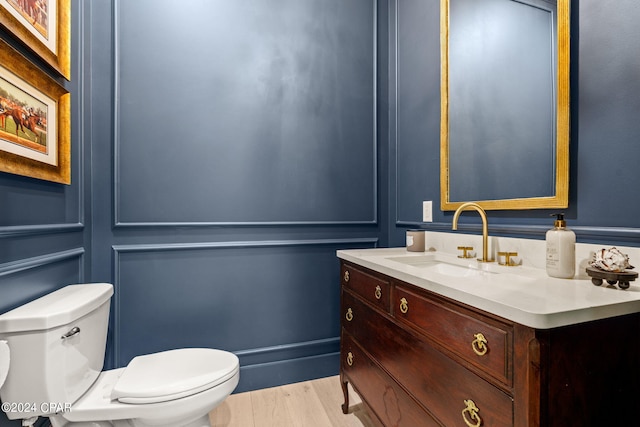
390, 404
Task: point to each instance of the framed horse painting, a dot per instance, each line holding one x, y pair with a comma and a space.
35, 120
44, 27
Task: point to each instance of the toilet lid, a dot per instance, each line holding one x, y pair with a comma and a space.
173, 374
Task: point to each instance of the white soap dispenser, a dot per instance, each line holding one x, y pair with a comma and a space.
561, 250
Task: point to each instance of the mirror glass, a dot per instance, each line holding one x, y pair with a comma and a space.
505, 103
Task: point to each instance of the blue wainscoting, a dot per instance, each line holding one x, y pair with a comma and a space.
27, 279
242, 139
274, 303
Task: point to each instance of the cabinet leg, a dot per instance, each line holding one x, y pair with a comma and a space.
345, 391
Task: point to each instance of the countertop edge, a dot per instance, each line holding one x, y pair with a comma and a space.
514, 314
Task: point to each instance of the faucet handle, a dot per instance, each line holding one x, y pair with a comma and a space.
465, 251
507, 258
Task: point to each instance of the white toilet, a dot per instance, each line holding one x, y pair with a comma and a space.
57, 344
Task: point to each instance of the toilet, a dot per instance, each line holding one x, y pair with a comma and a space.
54, 350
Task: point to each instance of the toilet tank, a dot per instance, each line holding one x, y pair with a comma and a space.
57, 346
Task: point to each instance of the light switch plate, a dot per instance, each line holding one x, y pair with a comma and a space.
427, 211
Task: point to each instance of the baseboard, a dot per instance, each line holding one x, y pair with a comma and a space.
272, 374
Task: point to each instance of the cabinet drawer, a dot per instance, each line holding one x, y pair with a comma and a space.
371, 288
484, 343
387, 400
354, 312
435, 379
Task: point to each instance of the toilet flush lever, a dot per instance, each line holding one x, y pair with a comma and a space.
74, 331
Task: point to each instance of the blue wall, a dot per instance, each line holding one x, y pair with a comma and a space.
234, 150
221, 154
605, 101
45, 228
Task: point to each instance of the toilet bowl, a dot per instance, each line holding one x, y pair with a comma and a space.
64, 336
131, 397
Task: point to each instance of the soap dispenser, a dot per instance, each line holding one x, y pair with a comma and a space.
561, 250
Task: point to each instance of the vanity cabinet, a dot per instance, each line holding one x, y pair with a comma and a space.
419, 359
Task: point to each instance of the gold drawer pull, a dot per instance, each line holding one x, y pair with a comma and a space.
349, 315
472, 419
479, 345
346, 276
378, 292
404, 306
350, 359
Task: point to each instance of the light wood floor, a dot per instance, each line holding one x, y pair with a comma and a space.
314, 403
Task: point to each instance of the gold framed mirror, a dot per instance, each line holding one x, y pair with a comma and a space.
504, 136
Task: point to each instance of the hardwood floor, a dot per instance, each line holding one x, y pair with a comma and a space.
314, 403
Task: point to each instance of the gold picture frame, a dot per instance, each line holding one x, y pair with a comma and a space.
44, 26
37, 110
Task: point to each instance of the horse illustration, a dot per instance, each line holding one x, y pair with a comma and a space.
24, 120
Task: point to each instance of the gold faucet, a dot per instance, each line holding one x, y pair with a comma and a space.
485, 227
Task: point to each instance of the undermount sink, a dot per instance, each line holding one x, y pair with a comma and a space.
456, 270
450, 266
431, 263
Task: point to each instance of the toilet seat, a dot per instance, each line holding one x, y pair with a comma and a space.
97, 405
173, 374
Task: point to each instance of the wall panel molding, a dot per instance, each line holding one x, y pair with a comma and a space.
120, 222
196, 224
414, 111
26, 279
584, 234
252, 356
26, 230
259, 356
623, 234
14, 267
117, 249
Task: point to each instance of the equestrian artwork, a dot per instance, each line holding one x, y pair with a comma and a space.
35, 12
23, 118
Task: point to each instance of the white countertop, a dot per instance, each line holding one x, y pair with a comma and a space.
521, 294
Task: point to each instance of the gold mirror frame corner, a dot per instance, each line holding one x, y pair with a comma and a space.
561, 198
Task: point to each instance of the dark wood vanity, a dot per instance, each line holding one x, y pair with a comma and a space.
420, 359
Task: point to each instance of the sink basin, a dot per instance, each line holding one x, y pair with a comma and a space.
456, 270
430, 263
451, 266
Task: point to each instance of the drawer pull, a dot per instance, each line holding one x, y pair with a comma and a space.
479, 345
350, 359
404, 306
378, 292
346, 276
470, 414
349, 315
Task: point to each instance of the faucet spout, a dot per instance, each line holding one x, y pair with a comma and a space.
485, 227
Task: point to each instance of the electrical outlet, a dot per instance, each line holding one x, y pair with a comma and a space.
427, 211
